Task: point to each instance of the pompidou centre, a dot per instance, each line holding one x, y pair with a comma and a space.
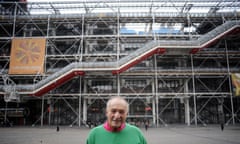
175, 62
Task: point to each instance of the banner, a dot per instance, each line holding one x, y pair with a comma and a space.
27, 56
236, 83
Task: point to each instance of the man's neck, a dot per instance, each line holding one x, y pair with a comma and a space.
117, 129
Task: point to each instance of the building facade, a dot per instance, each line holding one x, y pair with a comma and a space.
173, 62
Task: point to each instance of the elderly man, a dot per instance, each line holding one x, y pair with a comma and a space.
115, 130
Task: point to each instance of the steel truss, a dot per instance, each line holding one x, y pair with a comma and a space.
175, 84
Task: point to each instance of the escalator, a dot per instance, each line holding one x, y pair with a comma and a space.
116, 67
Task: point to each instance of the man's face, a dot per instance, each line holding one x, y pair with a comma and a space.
116, 113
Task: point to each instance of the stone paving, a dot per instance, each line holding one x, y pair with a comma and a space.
162, 135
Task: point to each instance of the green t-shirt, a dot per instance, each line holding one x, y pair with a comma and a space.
129, 135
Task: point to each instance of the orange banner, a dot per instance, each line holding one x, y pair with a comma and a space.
236, 83
27, 56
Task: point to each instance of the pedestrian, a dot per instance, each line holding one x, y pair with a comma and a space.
221, 113
146, 125
115, 130
221, 119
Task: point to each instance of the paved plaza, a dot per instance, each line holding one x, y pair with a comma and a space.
162, 135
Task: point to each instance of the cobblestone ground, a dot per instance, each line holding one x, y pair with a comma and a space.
162, 135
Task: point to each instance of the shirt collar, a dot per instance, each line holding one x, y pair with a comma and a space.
108, 127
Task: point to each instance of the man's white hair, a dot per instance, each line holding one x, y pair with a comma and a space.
120, 98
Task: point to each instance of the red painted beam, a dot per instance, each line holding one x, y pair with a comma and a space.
147, 55
236, 31
57, 83
233, 31
194, 50
161, 51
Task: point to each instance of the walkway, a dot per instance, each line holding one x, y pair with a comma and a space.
163, 135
